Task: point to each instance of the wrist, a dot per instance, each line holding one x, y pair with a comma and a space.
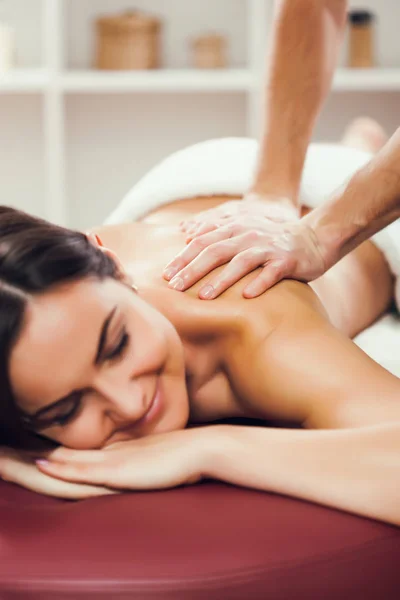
329, 236
213, 448
272, 193
281, 202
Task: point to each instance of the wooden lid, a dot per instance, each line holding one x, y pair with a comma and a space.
128, 21
210, 39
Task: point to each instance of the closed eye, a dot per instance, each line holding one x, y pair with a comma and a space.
69, 409
76, 398
64, 419
70, 405
118, 350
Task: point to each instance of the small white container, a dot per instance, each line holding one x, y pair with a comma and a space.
7, 48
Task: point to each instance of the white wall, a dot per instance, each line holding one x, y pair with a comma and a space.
21, 152
115, 139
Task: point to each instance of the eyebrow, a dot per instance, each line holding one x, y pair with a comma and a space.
100, 349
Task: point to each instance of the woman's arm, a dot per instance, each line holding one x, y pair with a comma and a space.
357, 470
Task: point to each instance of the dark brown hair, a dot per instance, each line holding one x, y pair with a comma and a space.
34, 256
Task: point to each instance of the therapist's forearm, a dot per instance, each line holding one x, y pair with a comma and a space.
303, 52
356, 470
369, 202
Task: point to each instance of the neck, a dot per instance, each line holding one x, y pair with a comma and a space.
205, 330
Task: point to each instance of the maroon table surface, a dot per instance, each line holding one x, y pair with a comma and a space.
210, 540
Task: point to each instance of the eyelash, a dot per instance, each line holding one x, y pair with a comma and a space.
117, 352
65, 419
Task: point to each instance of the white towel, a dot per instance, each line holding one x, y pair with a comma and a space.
226, 166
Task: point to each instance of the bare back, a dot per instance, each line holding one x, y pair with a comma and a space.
269, 366
353, 293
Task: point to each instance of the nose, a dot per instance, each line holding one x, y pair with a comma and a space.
125, 400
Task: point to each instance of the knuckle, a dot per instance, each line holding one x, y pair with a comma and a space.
252, 236
234, 228
276, 268
216, 251
197, 244
80, 469
241, 260
247, 257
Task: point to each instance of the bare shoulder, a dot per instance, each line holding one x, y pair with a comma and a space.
288, 301
269, 335
114, 236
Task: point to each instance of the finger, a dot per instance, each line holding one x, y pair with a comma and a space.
242, 264
211, 257
185, 225
271, 274
192, 250
63, 454
209, 215
75, 472
29, 477
193, 228
201, 230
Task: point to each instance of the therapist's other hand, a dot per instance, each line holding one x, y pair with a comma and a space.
253, 205
284, 250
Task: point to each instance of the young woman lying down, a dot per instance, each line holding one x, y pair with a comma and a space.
102, 358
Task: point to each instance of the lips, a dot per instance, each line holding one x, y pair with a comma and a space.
151, 405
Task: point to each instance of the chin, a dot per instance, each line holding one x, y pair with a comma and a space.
176, 413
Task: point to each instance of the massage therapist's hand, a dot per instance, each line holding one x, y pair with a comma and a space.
252, 205
20, 468
285, 249
157, 461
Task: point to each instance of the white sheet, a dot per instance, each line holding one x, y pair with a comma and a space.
226, 166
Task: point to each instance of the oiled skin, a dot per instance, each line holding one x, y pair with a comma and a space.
285, 355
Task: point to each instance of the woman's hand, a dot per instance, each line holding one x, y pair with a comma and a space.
285, 248
155, 462
20, 468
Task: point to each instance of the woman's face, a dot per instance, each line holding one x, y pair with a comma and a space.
91, 359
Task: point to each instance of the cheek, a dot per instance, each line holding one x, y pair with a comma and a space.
155, 341
88, 432
149, 349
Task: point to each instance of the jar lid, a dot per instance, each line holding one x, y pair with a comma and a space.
128, 21
210, 39
360, 17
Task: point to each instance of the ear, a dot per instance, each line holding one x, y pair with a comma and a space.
122, 274
94, 239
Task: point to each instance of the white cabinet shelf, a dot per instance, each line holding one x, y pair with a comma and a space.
367, 79
178, 80
24, 81
165, 80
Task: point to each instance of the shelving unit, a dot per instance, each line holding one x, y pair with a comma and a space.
71, 94
166, 80
358, 80
179, 81
25, 81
